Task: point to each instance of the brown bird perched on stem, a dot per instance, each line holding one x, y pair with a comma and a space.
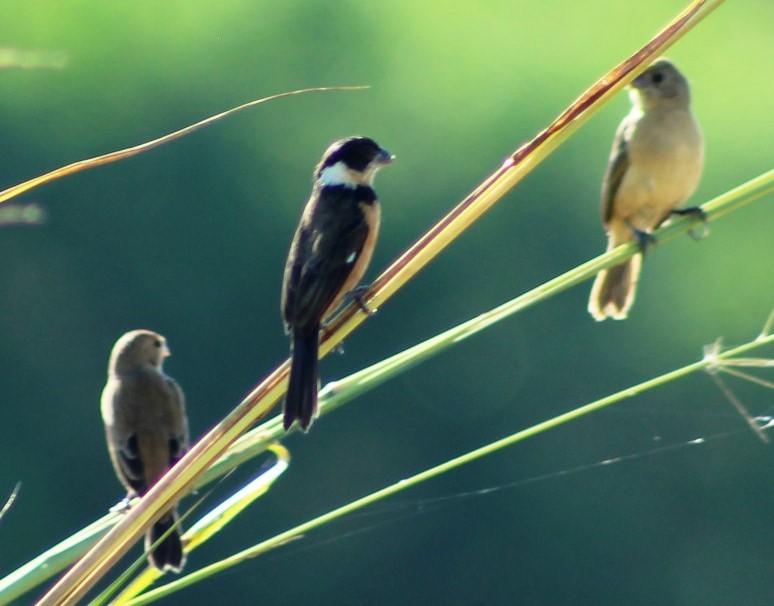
654, 166
147, 430
329, 254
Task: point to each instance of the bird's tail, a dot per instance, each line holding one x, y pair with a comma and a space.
301, 399
169, 552
613, 292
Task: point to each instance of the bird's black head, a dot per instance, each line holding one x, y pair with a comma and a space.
356, 152
351, 162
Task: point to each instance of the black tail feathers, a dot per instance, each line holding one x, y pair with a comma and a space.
168, 553
301, 399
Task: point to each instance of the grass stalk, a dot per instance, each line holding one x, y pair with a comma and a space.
128, 152
339, 392
707, 363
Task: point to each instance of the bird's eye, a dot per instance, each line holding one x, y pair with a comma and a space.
157, 343
658, 78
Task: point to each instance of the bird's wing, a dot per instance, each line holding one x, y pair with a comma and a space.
179, 438
616, 169
327, 248
130, 463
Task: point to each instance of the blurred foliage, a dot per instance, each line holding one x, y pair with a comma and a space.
190, 240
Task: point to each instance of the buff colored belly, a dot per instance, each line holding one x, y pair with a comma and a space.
663, 171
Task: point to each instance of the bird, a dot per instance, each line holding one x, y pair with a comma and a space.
655, 165
329, 254
146, 426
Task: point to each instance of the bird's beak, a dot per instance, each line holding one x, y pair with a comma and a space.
384, 157
638, 82
165, 353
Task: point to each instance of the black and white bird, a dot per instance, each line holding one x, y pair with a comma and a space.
330, 252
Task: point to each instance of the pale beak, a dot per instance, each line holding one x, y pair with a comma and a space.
384, 157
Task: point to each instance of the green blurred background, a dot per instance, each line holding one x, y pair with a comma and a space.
190, 240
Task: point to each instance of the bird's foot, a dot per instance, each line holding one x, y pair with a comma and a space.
357, 296
698, 214
644, 238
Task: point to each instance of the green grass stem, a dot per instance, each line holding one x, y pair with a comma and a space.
707, 363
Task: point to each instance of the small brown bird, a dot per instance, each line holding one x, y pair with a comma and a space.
328, 256
147, 430
655, 165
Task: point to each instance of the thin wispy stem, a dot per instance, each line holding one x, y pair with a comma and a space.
740, 408
128, 152
10, 500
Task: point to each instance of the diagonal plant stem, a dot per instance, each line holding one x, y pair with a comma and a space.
215, 520
340, 392
84, 574
707, 363
128, 152
513, 170
740, 408
336, 393
10, 500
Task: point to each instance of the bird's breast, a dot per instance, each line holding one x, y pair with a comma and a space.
665, 163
